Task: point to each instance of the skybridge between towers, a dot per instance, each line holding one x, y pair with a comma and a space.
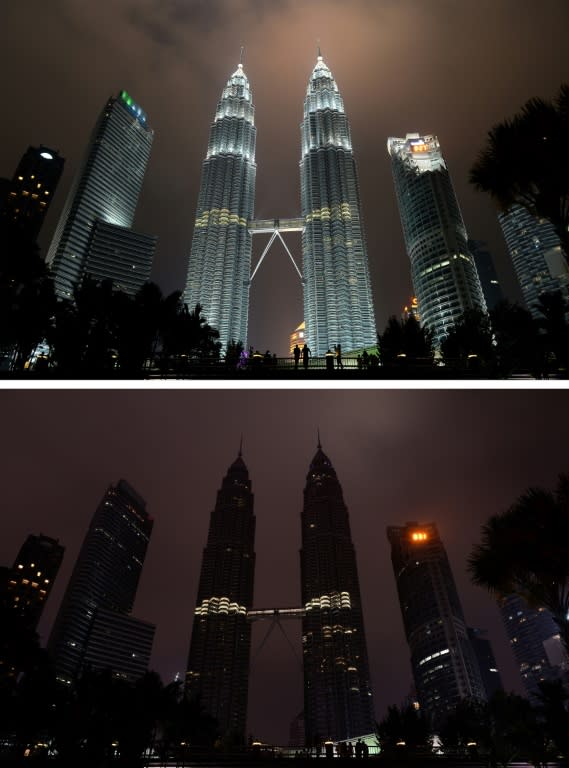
274, 227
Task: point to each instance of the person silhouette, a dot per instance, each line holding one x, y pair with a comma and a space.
296, 355
305, 355
338, 350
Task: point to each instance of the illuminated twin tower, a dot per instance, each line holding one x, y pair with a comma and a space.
338, 307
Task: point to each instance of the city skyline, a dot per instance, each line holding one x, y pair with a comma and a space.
165, 59
490, 447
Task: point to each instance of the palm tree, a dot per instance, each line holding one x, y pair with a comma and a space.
525, 551
521, 162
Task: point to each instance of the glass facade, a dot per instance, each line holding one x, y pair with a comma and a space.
338, 702
444, 663
105, 576
218, 664
106, 187
220, 259
338, 304
535, 250
445, 279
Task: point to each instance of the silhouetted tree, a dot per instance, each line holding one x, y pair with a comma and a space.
518, 342
405, 337
554, 698
27, 297
404, 724
470, 339
525, 551
521, 162
553, 309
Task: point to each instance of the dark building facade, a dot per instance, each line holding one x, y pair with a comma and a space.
218, 664
30, 580
106, 187
535, 643
26, 199
486, 272
338, 701
486, 661
105, 578
444, 664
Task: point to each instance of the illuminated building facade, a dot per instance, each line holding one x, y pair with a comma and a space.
445, 279
219, 266
338, 305
218, 664
535, 643
28, 196
444, 664
106, 187
105, 579
120, 254
31, 578
537, 256
298, 337
338, 701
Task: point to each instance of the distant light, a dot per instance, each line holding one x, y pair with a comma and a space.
46, 155
419, 536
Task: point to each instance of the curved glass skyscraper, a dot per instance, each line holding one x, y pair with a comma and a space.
338, 306
337, 695
220, 259
445, 279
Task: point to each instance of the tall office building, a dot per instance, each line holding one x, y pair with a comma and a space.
535, 643
219, 266
443, 271
537, 256
104, 581
26, 199
486, 661
121, 255
337, 695
444, 664
30, 580
218, 664
106, 187
486, 272
338, 304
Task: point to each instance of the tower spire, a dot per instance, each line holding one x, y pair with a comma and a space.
318, 433
319, 54
241, 446
241, 55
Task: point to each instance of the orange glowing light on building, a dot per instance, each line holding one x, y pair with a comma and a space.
420, 148
419, 536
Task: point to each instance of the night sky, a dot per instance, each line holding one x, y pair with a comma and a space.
452, 457
449, 67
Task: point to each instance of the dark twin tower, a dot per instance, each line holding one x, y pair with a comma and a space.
337, 695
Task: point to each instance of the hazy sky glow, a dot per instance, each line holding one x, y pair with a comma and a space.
449, 67
449, 457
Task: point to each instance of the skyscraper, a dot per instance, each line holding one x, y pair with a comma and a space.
486, 272
106, 187
218, 664
104, 581
219, 266
338, 305
444, 664
31, 578
535, 643
443, 271
535, 250
486, 661
337, 695
29, 194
